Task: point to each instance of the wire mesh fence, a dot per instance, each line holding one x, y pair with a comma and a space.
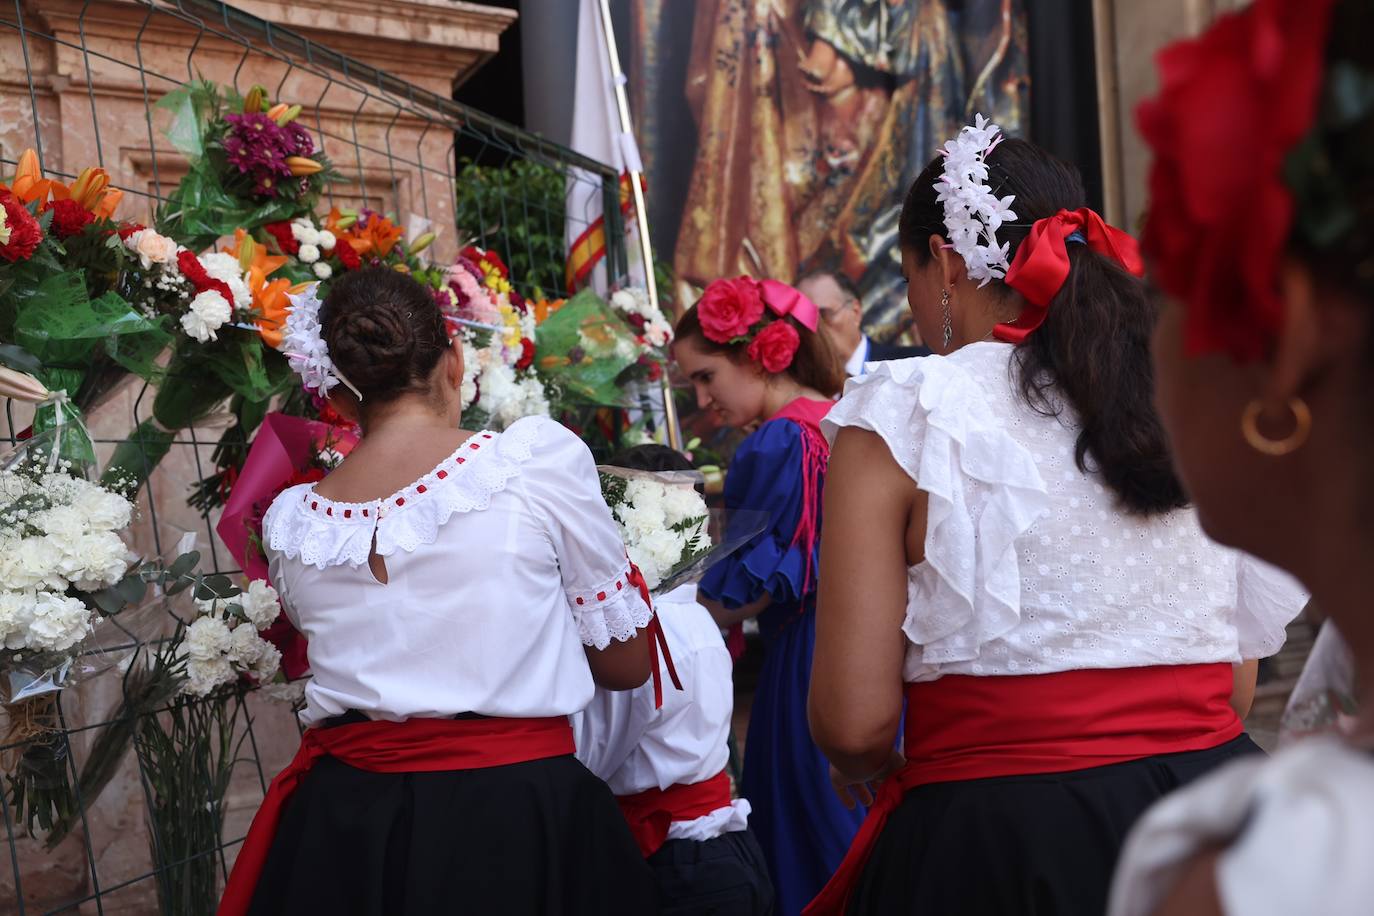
79, 84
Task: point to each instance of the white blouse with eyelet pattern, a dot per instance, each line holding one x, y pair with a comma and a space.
503, 562
1031, 566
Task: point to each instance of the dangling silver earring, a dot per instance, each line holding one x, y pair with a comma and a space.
949, 325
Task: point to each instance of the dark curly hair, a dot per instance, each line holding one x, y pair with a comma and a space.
1093, 350
384, 331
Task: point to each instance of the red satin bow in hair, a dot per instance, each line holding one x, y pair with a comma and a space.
785, 300
1041, 264
658, 642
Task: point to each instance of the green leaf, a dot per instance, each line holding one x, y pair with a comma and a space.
19, 359
183, 564
109, 600
132, 589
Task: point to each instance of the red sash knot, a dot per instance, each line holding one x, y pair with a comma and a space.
651, 812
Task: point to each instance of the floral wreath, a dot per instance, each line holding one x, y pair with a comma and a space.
732, 312
305, 349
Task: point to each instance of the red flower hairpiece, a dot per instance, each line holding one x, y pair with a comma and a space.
1232, 105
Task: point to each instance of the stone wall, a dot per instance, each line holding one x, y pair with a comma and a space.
91, 108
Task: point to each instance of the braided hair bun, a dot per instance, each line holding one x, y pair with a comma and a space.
384, 332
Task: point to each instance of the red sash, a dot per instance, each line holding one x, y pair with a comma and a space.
412, 746
962, 727
649, 813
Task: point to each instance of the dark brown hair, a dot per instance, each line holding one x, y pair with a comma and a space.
1093, 350
384, 332
815, 365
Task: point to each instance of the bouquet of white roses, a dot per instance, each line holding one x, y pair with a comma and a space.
663, 521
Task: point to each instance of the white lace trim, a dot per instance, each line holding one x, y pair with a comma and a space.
322, 532
612, 610
941, 430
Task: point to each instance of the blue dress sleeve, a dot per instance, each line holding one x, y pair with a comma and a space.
766, 476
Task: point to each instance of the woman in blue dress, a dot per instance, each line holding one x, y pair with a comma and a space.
755, 355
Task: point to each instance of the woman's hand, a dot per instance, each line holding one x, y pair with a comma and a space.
850, 791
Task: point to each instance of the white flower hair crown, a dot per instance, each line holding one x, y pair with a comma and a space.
305, 349
973, 214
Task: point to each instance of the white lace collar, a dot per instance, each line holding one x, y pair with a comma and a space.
324, 532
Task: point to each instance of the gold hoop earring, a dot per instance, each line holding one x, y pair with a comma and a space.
1302, 427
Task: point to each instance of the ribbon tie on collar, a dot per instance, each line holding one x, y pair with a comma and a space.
1042, 265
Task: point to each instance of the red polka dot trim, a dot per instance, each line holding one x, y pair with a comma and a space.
600, 596
348, 513
329, 510
420, 488
442, 474
315, 506
618, 585
400, 501
581, 601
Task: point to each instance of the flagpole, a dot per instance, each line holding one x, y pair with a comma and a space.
622, 105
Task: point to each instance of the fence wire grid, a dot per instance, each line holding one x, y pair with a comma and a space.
79, 82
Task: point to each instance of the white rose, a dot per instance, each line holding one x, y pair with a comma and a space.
327, 241
323, 270
58, 622
207, 638
104, 511
205, 675
206, 314
260, 604
151, 248
309, 253
16, 613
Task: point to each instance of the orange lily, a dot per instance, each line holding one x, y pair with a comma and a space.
29, 183
271, 303
267, 263
91, 190
379, 235
544, 308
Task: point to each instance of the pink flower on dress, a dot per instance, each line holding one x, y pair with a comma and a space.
775, 346
729, 308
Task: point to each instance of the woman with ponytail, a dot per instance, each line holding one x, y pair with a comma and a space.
755, 354
1009, 555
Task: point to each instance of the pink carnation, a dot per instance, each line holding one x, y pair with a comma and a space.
729, 308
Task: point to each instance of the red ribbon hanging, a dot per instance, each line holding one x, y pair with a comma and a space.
1042, 265
658, 642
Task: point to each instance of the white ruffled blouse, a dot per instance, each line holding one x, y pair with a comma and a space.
1030, 566
503, 562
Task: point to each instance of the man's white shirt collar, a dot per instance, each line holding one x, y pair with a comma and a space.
855, 366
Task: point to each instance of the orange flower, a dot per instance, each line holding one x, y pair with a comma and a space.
267, 263
544, 308
271, 303
29, 183
91, 189
378, 237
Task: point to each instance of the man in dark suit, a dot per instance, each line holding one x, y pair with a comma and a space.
842, 311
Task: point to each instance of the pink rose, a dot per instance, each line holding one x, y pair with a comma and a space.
152, 248
775, 346
729, 308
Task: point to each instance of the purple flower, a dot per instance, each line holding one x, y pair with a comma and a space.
266, 185
299, 140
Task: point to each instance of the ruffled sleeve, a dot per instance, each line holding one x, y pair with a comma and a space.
1267, 600
984, 492
766, 476
564, 492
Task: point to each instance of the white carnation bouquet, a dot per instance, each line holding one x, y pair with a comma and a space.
663, 520
222, 644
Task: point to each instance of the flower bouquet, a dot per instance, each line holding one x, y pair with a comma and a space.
663, 521
497, 328
252, 163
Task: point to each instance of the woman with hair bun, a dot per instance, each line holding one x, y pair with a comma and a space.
755, 354
1008, 554
463, 592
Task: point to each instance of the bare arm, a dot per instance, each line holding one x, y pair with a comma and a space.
855, 704
726, 617
621, 665
1244, 677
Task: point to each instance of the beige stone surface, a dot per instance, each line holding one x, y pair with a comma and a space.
80, 82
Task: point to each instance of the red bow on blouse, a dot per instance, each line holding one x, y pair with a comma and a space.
658, 642
1042, 265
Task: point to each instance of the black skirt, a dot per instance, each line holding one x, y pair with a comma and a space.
1041, 845
542, 837
722, 876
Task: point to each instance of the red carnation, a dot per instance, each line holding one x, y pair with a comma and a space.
347, 256
775, 346
193, 270
729, 308
24, 231
526, 354
69, 218
1232, 104
128, 229
281, 231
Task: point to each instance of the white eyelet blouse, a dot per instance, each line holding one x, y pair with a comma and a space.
1030, 565
502, 563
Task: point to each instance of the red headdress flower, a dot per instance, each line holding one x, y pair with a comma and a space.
732, 311
1232, 105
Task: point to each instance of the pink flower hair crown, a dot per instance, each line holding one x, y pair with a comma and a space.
732, 312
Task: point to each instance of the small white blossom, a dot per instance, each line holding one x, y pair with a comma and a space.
309, 253
972, 213
323, 270
327, 241
207, 313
